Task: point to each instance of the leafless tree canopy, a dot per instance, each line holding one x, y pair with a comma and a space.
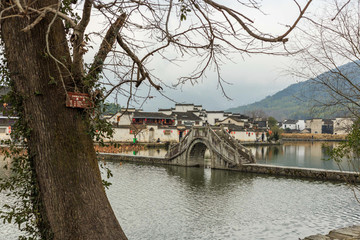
329, 40
133, 33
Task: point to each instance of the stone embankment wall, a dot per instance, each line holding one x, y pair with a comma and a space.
319, 174
347, 233
314, 173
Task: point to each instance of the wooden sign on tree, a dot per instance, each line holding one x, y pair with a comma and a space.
78, 100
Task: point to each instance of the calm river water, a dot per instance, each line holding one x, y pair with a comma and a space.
157, 202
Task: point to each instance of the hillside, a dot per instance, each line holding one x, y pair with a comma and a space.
302, 100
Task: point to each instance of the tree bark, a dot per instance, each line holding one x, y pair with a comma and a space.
74, 201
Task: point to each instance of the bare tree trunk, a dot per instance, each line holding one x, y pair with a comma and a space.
73, 199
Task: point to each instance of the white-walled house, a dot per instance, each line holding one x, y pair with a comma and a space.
147, 134
5, 126
342, 125
167, 111
187, 119
124, 117
213, 116
181, 107
289, 124
144, 127
237, 120
245, 135
300, 125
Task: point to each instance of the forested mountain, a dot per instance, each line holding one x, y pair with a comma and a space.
304, 99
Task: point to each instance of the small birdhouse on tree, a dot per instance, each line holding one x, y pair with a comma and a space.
78, 100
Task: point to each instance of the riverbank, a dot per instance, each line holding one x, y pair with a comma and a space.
128, 147
346, 233
261, 143
311, 137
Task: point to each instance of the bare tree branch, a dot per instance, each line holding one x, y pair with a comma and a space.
105, 47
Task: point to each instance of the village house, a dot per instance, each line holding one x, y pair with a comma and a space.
342, 125
6, 123
243, 135
235, 120
184, 107
130, 126
240, 128
170, 125
300, 125
293, 125
167, 111
327, 126
214, 116
184, 121
289, 124
124, 117
260, 123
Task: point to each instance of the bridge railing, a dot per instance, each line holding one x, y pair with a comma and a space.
224, 149
224, 145
243, 150
178, 148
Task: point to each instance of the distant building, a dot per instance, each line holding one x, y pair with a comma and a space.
289, 124
327, 126
124, 117
242, 134
261, 124
180, 107
188, 119
316, 126
300, 125
172, 124
342, 125
214, 116
152, 118
235, 120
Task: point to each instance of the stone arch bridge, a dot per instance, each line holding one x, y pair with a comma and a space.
225, 151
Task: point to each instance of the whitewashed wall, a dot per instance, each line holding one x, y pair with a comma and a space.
183, 108
342, 125
232, 121
289, 126
300, 125
212, 116
248, 136
125, 119
145, 135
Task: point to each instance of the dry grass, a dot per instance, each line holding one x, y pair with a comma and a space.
119, 148
316, 136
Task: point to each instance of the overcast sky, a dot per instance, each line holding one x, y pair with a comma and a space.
251, 78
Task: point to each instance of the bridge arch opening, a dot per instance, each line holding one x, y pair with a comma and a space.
199, 154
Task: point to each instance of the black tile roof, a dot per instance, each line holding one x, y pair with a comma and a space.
238, 118
233, 127
152, 115
184, 104
215, 111
289, 121
183, 116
